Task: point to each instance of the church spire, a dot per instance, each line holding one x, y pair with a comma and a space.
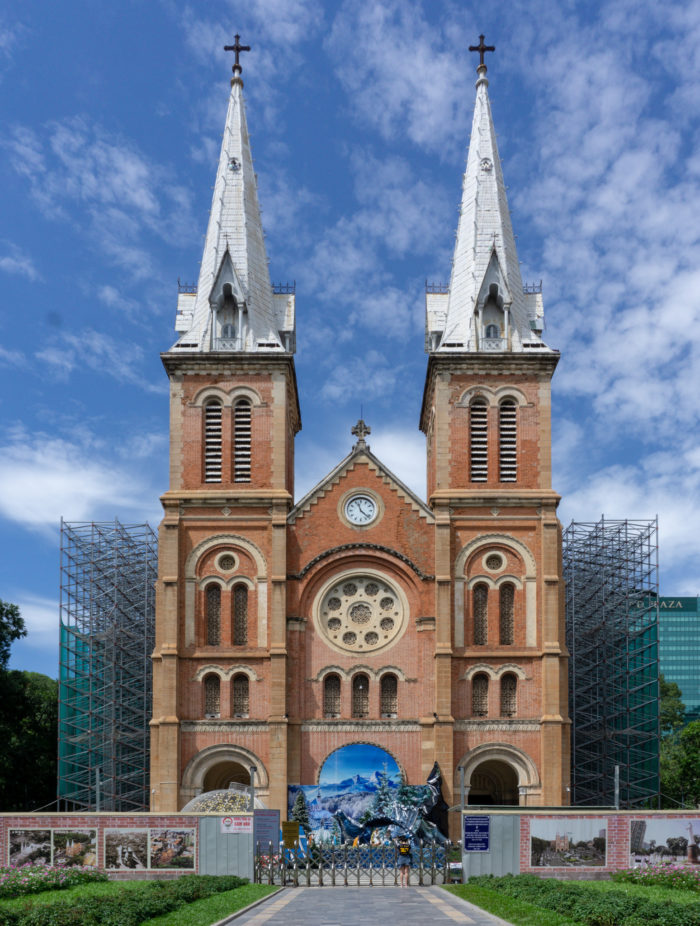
485, 307
234, 308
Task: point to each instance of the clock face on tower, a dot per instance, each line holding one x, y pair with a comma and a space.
360, 509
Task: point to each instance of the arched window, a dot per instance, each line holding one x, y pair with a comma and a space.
388, 696
228, 332
212, 442
508, 440
492, 331
241, 695
506, 599
212, 595
241, 440
509, 687
480, 695
331, 696
480, 616
360, 695
212, 696
240, 615
478, 441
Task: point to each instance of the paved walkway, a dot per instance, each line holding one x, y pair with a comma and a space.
358, 906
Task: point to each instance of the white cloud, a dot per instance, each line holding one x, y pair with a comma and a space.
75, 164
99, 352
40, 616
404, 75
402, 450
15, 261
666, 483
11, 357
45, 477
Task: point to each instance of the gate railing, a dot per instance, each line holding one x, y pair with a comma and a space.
331, 865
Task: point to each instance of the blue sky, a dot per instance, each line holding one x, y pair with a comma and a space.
359, 114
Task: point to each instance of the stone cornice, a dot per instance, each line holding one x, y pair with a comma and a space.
497, 726
359, 726
223, 726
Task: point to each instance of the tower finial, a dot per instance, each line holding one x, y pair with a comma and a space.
481, 48
238, 48
360, 431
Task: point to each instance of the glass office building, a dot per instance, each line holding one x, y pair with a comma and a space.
679, 649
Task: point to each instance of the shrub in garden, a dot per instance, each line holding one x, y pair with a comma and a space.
129, 908
573, 899
32, 879
676, 876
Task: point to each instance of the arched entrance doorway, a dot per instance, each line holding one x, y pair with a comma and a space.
216, 767
222, 774
493, 782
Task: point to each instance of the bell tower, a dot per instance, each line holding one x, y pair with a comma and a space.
220, 671
501, 661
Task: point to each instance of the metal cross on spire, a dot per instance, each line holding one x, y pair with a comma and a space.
481, 48
360, 431
238, 48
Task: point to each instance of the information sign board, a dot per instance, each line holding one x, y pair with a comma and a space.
290, 832
266, 829
237, 824
476, 833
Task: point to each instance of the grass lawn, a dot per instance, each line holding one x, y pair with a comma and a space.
215, 908
517, 912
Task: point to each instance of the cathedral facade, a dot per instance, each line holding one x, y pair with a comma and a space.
360, 614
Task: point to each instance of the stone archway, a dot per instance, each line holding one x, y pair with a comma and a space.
498, 773
217, 766
223, 774
493, 782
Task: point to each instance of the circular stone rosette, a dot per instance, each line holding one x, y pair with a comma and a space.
361, 612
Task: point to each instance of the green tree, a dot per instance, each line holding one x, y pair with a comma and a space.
28, 726
680, 767
671, 707
300, 812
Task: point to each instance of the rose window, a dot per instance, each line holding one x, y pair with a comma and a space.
361, 613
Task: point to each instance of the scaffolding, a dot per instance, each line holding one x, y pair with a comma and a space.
107, 632
612, 618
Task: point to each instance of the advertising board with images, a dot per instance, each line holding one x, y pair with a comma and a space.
172, 848
673, 839
62, 847
568, 842
126, 849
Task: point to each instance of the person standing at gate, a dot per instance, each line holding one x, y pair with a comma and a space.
403, 846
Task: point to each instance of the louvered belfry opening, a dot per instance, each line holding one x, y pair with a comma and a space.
509, 684
506, 603
240, 615
241, 695
480, 598
478, 441
360, 695
508, 440
241, 441
480, 695
213, 614
388, 696
212, 696
212, 442
331, 696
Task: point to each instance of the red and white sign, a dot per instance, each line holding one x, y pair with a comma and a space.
237, 824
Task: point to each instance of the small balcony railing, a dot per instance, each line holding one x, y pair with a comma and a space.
228, 344
493, 344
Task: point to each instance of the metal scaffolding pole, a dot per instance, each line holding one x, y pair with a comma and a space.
612, 618
108, 573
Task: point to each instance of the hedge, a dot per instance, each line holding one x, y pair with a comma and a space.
573, 899
129, 908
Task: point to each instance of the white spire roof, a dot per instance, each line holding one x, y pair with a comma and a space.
234, 286
486, 288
